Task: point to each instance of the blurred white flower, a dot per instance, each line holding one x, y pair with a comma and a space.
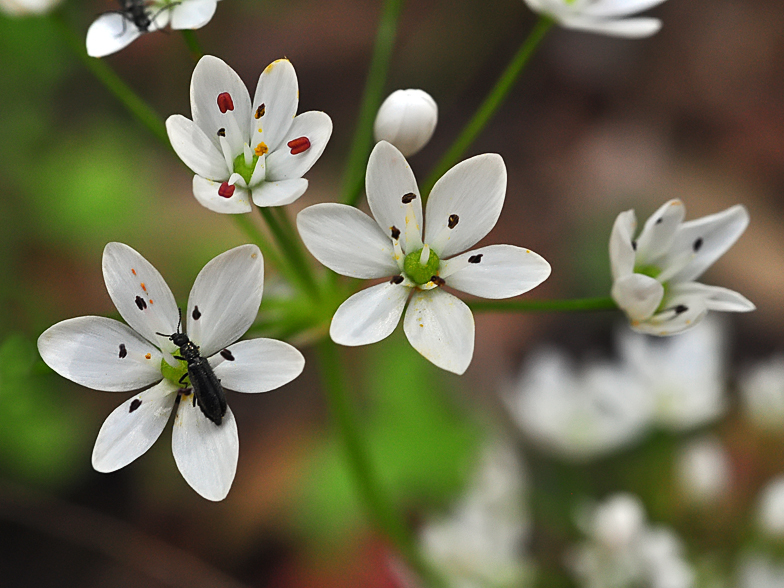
581, 413
481, 542
770, 508
653, 275
113, 31
762, 393
27, 7
407, 119
759, 571
703, 470
684, 375
624, 552
606, 17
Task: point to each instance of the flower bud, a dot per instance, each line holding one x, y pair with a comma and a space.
27, 7
407, 119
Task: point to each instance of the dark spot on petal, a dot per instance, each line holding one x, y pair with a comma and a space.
475, 258
395, 233
196, 314
227, 355
260, 111
123, 351
659, 220
437, 280
634, 245
225, 102
697, 244
135, 403
396, 280
680, 309
410, 197
299, 145
141, 303
226, 190
221, 132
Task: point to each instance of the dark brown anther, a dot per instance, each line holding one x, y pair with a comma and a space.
226, 190
141, 303
395, 232
410, 197
299, 145
453, 220
227, 355
123, 351
438, 281
260, 111
396, 280
697, 244
475, 258
680, 309
221, 132
659, 220
196, 314
225, 102
135, 403
634, 245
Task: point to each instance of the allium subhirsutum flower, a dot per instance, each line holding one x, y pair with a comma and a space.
27, 7
653, 274
407, 119
113, 31
242, 150
606, 17
463, 206
105, 354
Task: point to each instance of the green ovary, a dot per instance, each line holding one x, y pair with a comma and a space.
174, 374
648, 270
418, 273
242, 168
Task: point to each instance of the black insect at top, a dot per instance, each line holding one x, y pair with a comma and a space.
135, 11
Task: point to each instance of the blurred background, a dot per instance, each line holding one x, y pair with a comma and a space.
511, 474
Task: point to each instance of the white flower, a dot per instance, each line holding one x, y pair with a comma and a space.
760, 571
27, 7
112, 31
684, 376
579, 414
463, 206
606, 17
653, 275
762, 393
107, 355
770, 509
407, 119
704, 470
242, 150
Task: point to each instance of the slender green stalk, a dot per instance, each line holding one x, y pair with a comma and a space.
354, 174
573, 305
491, 103
248, 227
193, 44
377, 503
293, 254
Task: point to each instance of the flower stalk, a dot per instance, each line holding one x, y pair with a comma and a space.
193, 44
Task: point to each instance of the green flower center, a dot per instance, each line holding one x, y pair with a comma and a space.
647, 270
242, 168
175, 374
418, 273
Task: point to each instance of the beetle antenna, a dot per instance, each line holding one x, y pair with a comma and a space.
179, 321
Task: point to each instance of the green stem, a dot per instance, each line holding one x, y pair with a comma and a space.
247, 226
354, 174
377, 503
293, 254
491, 103
573, 305
193, 44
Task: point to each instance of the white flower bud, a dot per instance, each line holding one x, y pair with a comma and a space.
770, 510
407, 119
27, 7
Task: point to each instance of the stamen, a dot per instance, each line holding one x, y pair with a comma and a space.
680, 309
437, 281
395, 232
299, 145
453, 220
399, 255
425, 255
227, 191
135, 403
227, 355
248, 154
261, 149
475, 258
260, 111
225, 102
141, 303
443, 236
123, 351
675, 267
410, 197
396, 280
226, 150
634, 245
412, 232
222, 132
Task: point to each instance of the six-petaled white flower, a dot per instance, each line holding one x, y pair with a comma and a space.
463, 206
653, 275
242, 150
606, 17
105, 354
113, 31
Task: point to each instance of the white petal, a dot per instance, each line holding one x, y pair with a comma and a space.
196, 150
502, 271
109, 33
192, 14
227, 292
716, 298
669, 321
259, 365
631, 28
441, 327
388, 179
656, 237
211, 78
206, 192
206, 454
140, 294
283, 163
347, 241
278, 193
718, 232
638, 295
100, 353
621, 249
133, 427
474, 190
369, 315
615, 8
278, 90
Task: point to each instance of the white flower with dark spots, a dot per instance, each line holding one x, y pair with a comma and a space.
606, 17
242, 150
114, 30
463, 206
105, 354
653, 275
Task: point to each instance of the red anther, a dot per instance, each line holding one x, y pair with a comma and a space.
299, 145
226, 190
225, 102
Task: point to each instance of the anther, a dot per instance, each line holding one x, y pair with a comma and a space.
226, 190
227, 355
260, 111
141, 303
697, 244
396, 280
680, 309
196, 314
299, 145
395, 232
222, 132
475, 258
410, 197
634, 245
261, 149
453, 220
123, 351
225, 102
438, 281
659, 220
135, 403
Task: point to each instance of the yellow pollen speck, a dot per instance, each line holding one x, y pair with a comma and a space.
144, 287
261, 149
150, 300
635, 323
133, 271
260, 130
148, 356
528, 251
254, 256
